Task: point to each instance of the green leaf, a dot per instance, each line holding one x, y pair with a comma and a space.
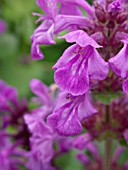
123, 143
68, 161
123, 157
107, 98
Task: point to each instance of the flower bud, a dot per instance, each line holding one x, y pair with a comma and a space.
99, 12
122, 17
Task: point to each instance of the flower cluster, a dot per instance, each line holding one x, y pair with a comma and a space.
14, 137
89, 100
117, 122
43, 153
12, 111
47, 145
96, 62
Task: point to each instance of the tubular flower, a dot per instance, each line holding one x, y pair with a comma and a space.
45, 95
119, 65
92, 70
79, 63
68, 113
98, 39
11, 157
84, 66
12, 111
125, 86
55, 21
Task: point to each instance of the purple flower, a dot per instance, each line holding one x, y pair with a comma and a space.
42, 135
80, 3
10, 93
44, 95
34, 163
46, 6
42, 141
45, 98
126, 135
2, 26
9, 97
42, 146
119, 63
82, 141
125, 86
34, 120
71, 22
42, 138
82, 69
96, 162
79, 63
54, 23
73, 9
11, 157
42, 35
12, 111
91, 147
83, 158
114, 7
68, 113
118, 152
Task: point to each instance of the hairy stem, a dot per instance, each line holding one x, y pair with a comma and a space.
108, 143
108, 154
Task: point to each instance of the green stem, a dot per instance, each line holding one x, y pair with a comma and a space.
108, 143
108, 154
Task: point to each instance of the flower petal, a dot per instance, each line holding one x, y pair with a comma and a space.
3, 26
86, 109
125, 86
67, 114
97, 68
65, 117
64, 21
41, 90
42, 147
114, 7
67, 122
125, 134
82, 3
68, 54
36, 52
73, 78
119, 63
47, 5
81, 38
83, 158
81, 141
73, 9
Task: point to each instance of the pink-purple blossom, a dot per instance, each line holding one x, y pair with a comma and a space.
68, 113
79, 63
3, 26
89, 102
